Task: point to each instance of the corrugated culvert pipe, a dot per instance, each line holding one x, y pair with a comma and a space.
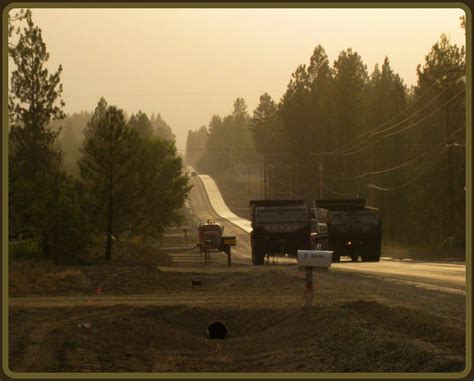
217, 330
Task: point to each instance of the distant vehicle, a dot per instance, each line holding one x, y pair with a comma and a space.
210, 234
279, 227
211, 238
353, 230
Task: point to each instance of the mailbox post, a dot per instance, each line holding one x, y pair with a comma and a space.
309, 260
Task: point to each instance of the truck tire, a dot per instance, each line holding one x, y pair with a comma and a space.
334, 247
372, 251
258, 253
371, 258
374, 258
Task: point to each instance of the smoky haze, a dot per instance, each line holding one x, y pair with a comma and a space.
188, 64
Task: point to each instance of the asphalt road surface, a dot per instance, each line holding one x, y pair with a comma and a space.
206, 202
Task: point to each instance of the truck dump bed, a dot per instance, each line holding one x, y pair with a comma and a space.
353, 229
348, 204
266, 203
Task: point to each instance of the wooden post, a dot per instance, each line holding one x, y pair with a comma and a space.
227, 250
308, 292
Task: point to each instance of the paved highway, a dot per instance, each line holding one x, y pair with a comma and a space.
206, 202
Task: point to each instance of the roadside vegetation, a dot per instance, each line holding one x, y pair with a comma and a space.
340, 131
85, 182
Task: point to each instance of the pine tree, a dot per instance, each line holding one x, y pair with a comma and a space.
34, 100
109, 168
141, 125
196, 145
441, 92
161, 128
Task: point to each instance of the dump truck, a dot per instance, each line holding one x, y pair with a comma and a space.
353, 229
279, 227
211, 238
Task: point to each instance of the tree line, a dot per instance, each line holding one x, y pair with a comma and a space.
341, 132
128, 181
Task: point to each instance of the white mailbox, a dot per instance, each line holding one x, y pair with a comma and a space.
314, 258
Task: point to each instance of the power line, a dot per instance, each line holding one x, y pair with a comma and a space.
433, 150
285, 166
168, 94
217, 149
338, 193
341, 153
371, 133
351, 144
335, 153
424, 118
406, 184
422, 173
377, 172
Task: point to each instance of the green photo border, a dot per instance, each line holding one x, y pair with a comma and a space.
6, 372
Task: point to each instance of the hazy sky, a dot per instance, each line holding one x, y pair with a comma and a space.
189, 64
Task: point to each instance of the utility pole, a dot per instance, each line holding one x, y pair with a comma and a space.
321, 178
371, 177
265, 175
290, 185
269, 188
248, 179
450, 211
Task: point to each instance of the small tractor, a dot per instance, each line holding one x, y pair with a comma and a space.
211, 238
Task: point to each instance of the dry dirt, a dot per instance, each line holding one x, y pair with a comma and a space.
132, 270
359, 323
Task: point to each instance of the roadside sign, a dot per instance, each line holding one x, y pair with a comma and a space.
228, 240
315, 258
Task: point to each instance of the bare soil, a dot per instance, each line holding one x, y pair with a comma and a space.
356, 336
131, 270
158, 321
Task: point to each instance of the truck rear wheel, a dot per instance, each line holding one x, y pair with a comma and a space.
373, 251
258, 253
373, 258
336, 248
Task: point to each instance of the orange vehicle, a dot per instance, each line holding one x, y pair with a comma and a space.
210, 235
211, 238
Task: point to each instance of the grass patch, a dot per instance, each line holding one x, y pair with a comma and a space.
24, 250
